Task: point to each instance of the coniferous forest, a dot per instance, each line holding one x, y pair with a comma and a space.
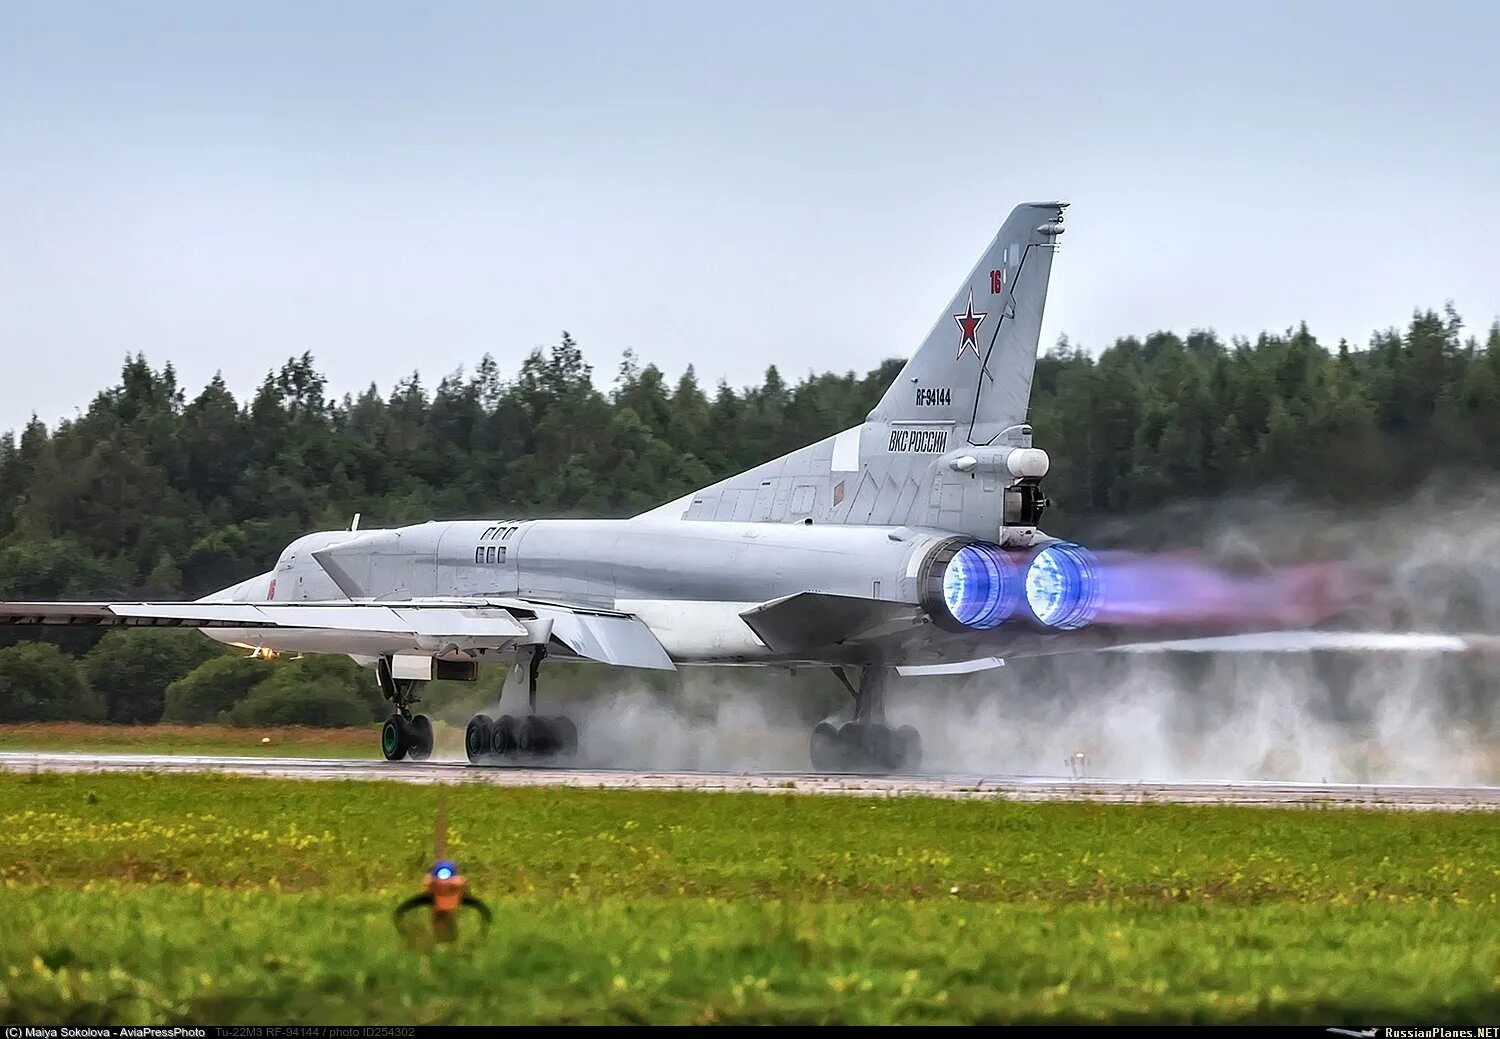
157, 490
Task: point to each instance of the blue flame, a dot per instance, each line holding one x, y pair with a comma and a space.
979, 586
1063, 587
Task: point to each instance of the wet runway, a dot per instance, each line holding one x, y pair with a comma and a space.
1013, 788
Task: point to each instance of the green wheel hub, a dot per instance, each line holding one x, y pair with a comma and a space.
395, 738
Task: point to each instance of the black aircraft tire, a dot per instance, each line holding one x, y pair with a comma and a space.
853, 755
420, 730
824, 747
881, 749
565, 735
908, 745
395, 738
503, 740
477, 737
533, 735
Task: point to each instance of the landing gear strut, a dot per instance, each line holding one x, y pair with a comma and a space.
404, 735
866, 744
531, 735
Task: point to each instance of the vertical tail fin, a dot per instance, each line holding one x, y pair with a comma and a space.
931, 453
974, 368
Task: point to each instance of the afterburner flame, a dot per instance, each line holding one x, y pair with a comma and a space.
1182, 589
1063, 586
980, 586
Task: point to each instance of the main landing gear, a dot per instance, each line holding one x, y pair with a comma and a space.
404, 735
866, 744
489, 739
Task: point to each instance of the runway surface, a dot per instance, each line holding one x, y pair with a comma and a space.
1014, 788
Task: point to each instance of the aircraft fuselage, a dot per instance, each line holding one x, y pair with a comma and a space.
688, 581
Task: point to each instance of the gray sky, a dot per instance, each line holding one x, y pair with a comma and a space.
400, 186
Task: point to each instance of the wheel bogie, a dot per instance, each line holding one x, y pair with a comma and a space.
865, 747
511, 738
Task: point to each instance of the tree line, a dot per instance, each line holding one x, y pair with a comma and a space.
150, 494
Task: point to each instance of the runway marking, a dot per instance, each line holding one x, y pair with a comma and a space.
965, 787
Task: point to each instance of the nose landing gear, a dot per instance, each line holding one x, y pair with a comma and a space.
404, 735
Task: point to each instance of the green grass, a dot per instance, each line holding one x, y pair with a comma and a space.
227, 899
285, 741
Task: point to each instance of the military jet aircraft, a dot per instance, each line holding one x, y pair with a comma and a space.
907, 545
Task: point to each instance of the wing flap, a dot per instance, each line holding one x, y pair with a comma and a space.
467, 621
623, 641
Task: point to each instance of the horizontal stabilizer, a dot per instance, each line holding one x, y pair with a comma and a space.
810, 620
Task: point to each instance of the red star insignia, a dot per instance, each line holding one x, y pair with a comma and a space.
968, 324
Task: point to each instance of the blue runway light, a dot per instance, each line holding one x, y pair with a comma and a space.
980, 587
1063, 586
444, 870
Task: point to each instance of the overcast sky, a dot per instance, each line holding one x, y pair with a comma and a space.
408, 186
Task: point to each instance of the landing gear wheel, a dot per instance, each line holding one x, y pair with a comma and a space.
825, 747
565, 735
851, 748
880, 749
533, 735
420, 729
395, 738
477, 737
503, 739
908, 742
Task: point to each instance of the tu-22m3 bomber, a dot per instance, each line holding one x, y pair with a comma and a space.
908, 545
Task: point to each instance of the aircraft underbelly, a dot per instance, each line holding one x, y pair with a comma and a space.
698, 630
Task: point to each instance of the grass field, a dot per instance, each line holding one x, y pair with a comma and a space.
293, 741
209, 899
